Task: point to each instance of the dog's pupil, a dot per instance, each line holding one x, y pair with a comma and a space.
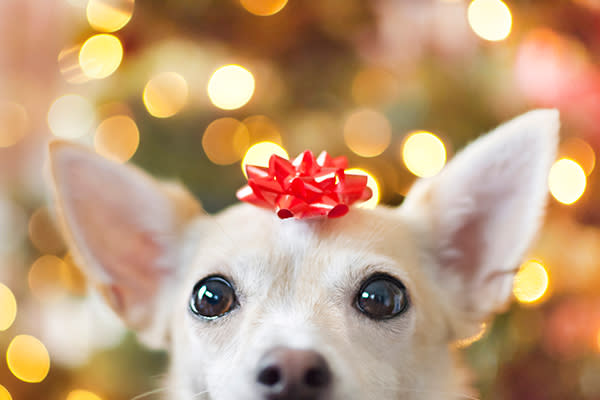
382, 298
212, 297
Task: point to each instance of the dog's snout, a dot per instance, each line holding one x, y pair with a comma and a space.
290, 374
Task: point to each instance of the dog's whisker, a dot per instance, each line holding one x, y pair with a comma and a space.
434, 391
150, 393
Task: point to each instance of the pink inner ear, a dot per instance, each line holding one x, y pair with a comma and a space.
120, 223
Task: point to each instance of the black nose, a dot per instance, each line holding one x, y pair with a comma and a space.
289, 374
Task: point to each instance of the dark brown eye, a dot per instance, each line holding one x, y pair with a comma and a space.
382, 297
213, 297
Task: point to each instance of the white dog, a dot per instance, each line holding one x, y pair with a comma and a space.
367, 306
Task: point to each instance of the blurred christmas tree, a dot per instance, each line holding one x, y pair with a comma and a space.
189, 89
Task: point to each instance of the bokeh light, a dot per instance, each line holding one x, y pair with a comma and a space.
82, 395
109, 15
231, 87
68, 63
372, 184
117, 138
4, 394
466, 342
531, 282
567, 181
8, 305
367, 132
260, 153
13, 123
263, 7
165, 94
71, 276
490, 19
43, 232
45, 277
28, 359
225, 141
580, 150
262, 129
71, 116
100, 56
423, 153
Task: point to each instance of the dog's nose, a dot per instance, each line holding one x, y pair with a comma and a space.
290, 374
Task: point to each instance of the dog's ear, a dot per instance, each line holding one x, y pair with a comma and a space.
481, 213
122, 227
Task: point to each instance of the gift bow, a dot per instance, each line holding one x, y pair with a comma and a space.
306, 187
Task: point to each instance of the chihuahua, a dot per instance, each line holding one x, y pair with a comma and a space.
366, 306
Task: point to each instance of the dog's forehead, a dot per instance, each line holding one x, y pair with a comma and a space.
247, 232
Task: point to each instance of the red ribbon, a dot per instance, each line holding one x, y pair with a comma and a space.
306, 187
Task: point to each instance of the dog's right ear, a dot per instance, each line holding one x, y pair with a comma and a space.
122, 226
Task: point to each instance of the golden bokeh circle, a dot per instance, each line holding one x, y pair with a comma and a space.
423, 153
117, 138
8, 305
263, 8
231, 87
109, 15
4, 393
531, 282
165, 94
262, 129
567, 181
225, 141
71, 116
367, 132
490, 19
28, 359
45, 277
100, 56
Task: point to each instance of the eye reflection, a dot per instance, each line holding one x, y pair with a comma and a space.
382, 297
213, 297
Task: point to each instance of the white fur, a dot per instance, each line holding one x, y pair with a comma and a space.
455, 244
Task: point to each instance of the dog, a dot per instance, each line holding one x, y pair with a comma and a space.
366, 306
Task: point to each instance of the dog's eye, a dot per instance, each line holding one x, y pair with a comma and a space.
213, 297
382, 297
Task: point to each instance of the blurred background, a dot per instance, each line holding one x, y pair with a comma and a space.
191, 90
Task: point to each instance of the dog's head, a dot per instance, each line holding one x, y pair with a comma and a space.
362, 307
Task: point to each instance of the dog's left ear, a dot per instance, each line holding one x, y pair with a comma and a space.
123, 228
481, 213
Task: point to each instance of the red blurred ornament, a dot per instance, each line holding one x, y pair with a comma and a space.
306, 187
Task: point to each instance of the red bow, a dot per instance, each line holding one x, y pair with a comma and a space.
306, 187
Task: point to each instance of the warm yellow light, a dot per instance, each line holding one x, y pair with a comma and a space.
82, 395
28, 359
367, 132
423, 153
13, 123
8, 305
70, 116
225, 141
45, 277
260, 153
531, 282
263, 7
490, 19
371, 183
165, 94
117, 138
68, 63
231, 87
466, 342
100, 56
43, 232
4, 394
566, 181
598, 340
109, 15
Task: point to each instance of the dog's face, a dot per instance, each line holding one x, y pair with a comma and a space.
362, 307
